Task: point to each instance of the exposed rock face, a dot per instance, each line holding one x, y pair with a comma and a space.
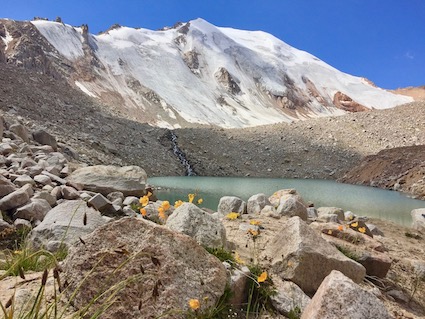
163, 270
339, 297
227, 81
401, 169
65, 224
256, 203
289, 296
346, 103
130, 180
43, 137
207, 230
303, 250
36, 209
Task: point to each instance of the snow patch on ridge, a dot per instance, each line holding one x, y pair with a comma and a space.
84, 89
66, 39
7, 39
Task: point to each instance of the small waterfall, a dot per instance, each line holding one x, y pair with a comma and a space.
181, 155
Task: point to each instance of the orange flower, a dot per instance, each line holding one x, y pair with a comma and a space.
340, 228
144, 200
178, 203
200, 201
362, 229
194, 304
252, 232
262, 277
238, 259
165, 204
161, 213
143, 212
191, 197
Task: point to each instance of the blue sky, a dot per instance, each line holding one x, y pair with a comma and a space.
383, 40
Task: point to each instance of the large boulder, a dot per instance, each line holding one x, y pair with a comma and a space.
21, 131
297, 250
65, 224
256, 203
157, 269
339, 297
229, 204
292, 205
129, 180
418, 219
207, 230
6, 186
44, 138
325, 213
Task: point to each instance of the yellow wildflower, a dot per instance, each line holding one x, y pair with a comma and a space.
194, 304
165, 204
178, 203
149, 194
144, 200
161, 213
232, 215
18, 252
330, 232
191, 197
362, 229
262, 277
200, 201
143, 211
238, 259
255, 222
354, 224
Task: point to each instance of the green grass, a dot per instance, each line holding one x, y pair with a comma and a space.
222, 254
348, 253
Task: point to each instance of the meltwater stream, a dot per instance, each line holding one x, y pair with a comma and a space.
181, 155
361, 200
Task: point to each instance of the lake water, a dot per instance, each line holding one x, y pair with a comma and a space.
361, 200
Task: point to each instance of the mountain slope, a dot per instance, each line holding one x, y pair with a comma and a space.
197, 73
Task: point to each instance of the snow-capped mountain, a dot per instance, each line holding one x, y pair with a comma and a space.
192, 73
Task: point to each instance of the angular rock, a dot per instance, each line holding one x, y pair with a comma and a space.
238, 279
303, 250
20, 131
285, 193
376, 264
35, 170
102, 204
288, 297
130, 180
375, 230
189, 219
65, 223
14, 199
339, 297
45, 138
69, 192
418, 219
68, 150
229, 204
54, 177
56, 160
24, 179
256, 203
163, 270
326, 211
56, 192
6, 187
292, 205
131, 200
312, 213
42, 179
36, 209
5, 148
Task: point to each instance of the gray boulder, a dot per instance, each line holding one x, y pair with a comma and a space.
42, 179
69, 192
292, 205
328, 214
6, 186
20, 131
303, 250
22, 224
159, 271
418, 219
229, 204
24, 179
15, 199
45, 138
339, 297
288, 297
189, 219
65, 223
130, 180
256, 203
102, 204
36, 209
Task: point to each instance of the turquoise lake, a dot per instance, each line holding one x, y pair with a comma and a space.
361, 200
